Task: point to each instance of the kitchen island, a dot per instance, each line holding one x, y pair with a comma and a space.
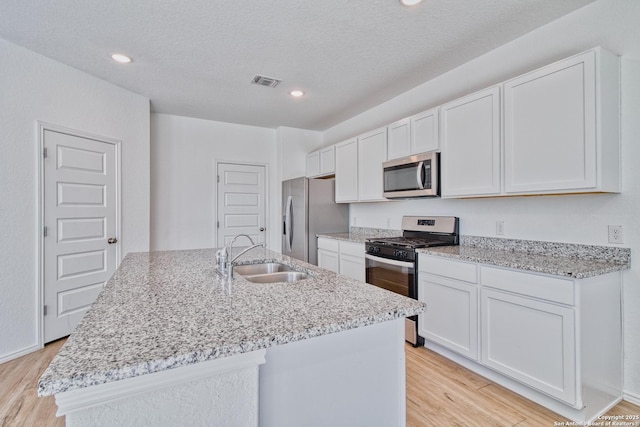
166, 343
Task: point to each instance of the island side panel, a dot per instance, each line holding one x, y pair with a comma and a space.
351, 378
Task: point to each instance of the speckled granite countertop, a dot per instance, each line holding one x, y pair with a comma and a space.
361, 234
558, 259
163, 310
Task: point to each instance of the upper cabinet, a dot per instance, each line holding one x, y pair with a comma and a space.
551, 131
424, 131
372, 152
313, 164
561, 127
359, 167
321, 162
413, 135
347, 171
399, 139
470, 142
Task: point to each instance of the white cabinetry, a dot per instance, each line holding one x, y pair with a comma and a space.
359, 167
342, 257
313, 164
347, 171
455, 329
328, 160
413, 135
372, 152
352, 260
531, 341
470, 138
321, 162
399, 139
328, 254
532, 333
424, 131
561, 127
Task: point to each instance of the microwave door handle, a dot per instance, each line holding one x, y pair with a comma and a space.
420, 175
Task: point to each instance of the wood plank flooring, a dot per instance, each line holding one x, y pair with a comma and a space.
439, 393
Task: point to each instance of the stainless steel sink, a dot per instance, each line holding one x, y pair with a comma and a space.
282, 276
264, 268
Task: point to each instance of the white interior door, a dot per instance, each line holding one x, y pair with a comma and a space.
241, 202
80, 214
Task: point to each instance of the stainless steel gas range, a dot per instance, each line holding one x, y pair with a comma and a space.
392, 263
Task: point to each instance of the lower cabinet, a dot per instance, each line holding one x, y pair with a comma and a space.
559, 337
531, 341
342, 257
451, 319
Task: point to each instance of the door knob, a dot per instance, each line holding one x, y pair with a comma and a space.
261, 228
112, 240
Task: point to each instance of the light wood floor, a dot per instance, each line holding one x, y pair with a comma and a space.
439, 393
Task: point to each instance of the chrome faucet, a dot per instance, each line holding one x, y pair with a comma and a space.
229, 252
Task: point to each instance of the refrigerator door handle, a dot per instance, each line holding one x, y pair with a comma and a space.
288, 225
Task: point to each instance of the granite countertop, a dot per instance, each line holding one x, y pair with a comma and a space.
163, 310
361, 234
557, 264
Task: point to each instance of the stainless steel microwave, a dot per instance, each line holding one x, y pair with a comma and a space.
413, 176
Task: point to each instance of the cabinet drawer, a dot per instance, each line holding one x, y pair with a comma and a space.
350, 248
328, 244
543, 287
448, 268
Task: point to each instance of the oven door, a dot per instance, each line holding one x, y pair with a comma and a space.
398, 277
395, 276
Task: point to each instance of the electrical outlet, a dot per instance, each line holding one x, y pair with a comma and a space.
615, 234
500, 228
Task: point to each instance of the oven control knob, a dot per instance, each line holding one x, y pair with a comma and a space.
374, 250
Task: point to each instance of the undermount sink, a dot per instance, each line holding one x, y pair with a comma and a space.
282, 276
263, 268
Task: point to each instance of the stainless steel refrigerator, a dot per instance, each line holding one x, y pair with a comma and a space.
309, 208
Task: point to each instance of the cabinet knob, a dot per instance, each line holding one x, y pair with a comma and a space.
112, 240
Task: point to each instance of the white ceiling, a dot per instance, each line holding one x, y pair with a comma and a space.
196, 57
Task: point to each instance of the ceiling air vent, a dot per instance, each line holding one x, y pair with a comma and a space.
265, 81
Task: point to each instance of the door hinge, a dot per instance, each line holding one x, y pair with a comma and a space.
44, 152
44, 233
217, 224
44, 310
218, 177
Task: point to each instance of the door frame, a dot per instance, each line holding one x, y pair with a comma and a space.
267, 216
41, 128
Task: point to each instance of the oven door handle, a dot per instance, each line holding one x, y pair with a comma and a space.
390, 261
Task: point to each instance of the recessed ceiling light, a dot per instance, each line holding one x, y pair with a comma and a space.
123, 59
296, 93
410, 2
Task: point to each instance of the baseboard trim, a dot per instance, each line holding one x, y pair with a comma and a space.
19, 353
631, 398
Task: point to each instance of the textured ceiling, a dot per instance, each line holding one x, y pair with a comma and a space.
196, 57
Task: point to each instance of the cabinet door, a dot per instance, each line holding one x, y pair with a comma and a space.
328, 260
347, 171
399, 139
530, 341
550, 128
372, 152
328, 160
470, 159
313, 164
424, 131
451, 319
352, 266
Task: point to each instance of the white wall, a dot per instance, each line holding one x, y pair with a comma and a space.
293, 146
612, 24
184, 152
33, 88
